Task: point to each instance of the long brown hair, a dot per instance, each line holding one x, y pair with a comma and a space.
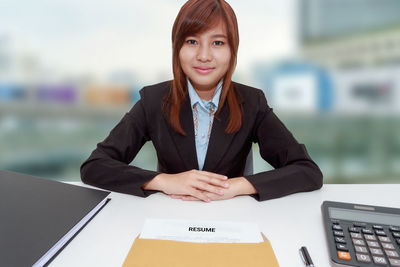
197, 16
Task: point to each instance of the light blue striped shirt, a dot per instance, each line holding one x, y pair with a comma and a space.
203, 119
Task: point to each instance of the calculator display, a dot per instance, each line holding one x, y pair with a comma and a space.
364, 216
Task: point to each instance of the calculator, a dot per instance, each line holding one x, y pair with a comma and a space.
362, 235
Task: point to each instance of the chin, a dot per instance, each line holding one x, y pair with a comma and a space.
206, 83
205, 80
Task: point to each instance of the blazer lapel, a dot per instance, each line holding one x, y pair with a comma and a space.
186, 144
219, 140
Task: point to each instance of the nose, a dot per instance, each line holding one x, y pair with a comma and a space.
204, 53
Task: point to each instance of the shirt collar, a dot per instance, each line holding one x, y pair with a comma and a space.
194, 97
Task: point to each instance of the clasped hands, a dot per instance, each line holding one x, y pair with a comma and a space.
200, 185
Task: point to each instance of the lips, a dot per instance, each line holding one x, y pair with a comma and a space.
203, 70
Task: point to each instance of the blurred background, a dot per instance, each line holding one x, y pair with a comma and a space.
69, 71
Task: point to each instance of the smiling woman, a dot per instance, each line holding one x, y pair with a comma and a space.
202, 125
205, 59
199, 26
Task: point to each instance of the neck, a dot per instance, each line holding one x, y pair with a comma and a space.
205, 94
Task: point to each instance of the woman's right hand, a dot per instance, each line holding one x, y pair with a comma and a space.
191, 183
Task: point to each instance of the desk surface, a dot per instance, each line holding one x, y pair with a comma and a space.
289, 222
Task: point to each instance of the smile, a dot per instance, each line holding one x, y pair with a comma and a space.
203, 70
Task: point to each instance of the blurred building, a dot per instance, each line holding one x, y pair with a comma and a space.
349, 60
299, 87
50, 119
341, 95
350, 34
358, 41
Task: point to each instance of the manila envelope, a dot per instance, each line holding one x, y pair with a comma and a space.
165, 253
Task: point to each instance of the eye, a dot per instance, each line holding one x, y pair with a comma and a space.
191, 42
218, 43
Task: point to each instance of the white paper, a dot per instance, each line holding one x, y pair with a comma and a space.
201, 231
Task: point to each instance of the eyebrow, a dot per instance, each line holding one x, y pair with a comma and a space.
219, 36
212, 36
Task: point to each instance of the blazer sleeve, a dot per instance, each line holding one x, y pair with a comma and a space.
108, 165
294, 170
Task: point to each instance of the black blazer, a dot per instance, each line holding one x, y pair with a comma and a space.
108, 165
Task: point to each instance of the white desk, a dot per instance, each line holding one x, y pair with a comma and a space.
289, 222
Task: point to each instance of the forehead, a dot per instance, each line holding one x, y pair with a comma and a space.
217, 29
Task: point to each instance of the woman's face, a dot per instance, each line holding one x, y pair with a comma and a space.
205, 57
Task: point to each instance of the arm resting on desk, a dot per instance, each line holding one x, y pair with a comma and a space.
294, 171
108, 165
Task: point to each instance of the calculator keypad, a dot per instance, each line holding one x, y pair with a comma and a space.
376, 251
380, 232
338, 233
384, 239
363, 257
344, 255
367, 231
379, 260
394, 262
391, 254
356, 235
371, 244
361, 249
358, 242
370, 237
342, 247
336, 227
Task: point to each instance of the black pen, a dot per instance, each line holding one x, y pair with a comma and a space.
305, 256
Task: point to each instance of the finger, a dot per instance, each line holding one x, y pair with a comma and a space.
198, 194
176, 196
190, 198
214, 175
209, 188
213, 178
213, 196
214, 181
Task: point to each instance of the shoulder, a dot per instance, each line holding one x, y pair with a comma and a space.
155, 91
151, 97
249, 95
247, 92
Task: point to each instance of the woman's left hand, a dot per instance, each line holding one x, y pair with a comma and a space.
237, 186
